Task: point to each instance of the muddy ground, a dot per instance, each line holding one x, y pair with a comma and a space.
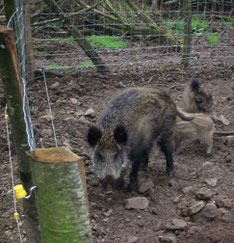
167, 218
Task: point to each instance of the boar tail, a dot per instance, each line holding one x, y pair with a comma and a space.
184, 117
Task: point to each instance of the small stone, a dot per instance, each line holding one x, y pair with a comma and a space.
224, 215
204, 193
177, 199
193, 230
79, 113
45, 117
131, 239
172, 183
90, 112
167, 239
195, 208
74, 101
211, 182
108, 213
176, 224
136, 203
224, 202
229, 140
54, 85
224, 120
47, 132
208, 164
83, 120
146, 186
209, 212
188, 190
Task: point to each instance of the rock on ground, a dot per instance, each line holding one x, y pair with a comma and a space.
209, 213
146, 186
137, 203
229, 140
204, 193
211, 182
195, 208
131, 239
176, 224
167, 239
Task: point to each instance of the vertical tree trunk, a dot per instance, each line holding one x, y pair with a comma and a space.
187, 32
12, 86
63, 210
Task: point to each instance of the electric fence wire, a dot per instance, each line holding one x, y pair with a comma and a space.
12, 175
50, 110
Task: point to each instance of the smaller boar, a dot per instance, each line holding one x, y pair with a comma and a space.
200, 128
197, 100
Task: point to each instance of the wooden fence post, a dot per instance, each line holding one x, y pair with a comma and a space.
187, 10
10, 7
59, 175
12, 86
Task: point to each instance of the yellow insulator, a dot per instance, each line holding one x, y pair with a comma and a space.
19, 191
16, 215
6, 116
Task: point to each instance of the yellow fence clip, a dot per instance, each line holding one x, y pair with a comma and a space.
16, 215
20, 191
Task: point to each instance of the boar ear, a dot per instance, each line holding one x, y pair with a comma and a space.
195, 86
94, 135
120, 134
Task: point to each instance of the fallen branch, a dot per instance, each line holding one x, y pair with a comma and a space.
224, 133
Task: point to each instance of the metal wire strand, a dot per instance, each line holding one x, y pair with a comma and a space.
50, 110
12, 175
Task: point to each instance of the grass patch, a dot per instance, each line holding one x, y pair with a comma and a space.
213, 38
86, 64
198, 25
63, 39
55, 66
107, 41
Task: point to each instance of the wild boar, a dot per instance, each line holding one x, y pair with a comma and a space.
200, 128
126, 131
196, 99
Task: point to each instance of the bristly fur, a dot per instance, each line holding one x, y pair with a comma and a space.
129, 126
200, 128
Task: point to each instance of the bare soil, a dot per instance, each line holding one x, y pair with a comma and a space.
73, 94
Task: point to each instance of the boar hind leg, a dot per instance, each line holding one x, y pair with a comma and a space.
139, 158
167, 147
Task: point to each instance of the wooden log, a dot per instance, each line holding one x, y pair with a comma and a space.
12, 86
61, 195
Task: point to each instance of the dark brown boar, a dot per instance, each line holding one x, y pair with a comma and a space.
127, 129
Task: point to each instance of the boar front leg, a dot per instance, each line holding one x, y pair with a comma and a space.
137, 158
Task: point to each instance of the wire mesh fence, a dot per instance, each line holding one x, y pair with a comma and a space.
129, 33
